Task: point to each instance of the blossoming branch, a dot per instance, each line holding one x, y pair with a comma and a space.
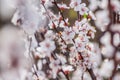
57, 48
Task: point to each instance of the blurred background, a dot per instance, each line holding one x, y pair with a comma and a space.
6, 12
8, 30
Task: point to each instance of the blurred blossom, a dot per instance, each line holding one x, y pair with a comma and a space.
96, 58
107, 49
118, 56
117, 76
116, 39
116, 5
63, 6
28, 16
93, 4
106, 39
116, 28
77, 74
103, 4
92, 15
105, 68
86, 76
12, 58
102, 19
6, 9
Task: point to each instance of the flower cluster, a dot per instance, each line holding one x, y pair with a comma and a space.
78, 6
62, 48
59, 50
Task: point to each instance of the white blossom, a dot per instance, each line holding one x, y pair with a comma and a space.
27, 17
117, 76
115, 28
68, 34
79, 44
46, 47
105, 68
63, 6
74, 4
83, 9
102, 19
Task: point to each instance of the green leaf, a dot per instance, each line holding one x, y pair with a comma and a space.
85, 15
